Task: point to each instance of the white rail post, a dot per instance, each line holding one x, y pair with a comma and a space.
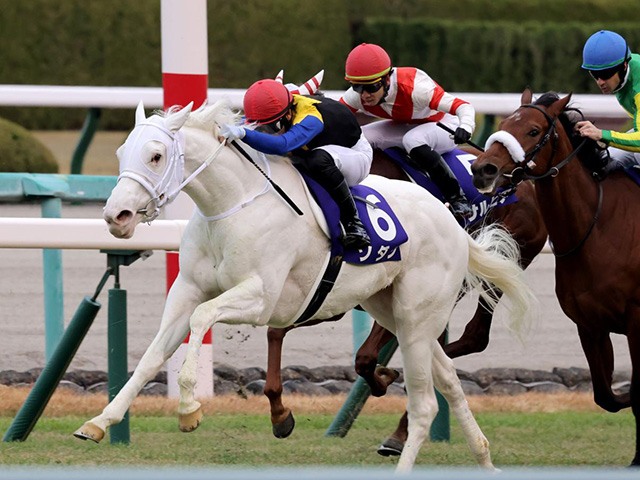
184, 79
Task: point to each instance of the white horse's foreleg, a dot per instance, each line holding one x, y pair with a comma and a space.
241, 304
448, 384
181, 301
417, 355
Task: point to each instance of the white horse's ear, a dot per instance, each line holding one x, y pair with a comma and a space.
140, 113
176, 120
280, 76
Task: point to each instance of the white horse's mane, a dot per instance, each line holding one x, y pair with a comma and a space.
207, 117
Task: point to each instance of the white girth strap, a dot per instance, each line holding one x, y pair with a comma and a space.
510, 143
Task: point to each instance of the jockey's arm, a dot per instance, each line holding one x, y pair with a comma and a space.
428, 93
625, 141
296, 137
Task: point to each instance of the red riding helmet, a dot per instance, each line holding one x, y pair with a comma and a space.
266, 101
367, 63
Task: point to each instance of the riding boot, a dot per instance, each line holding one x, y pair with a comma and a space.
355, 236
321, 166
434, 165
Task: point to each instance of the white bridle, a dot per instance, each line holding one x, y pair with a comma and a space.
163, 188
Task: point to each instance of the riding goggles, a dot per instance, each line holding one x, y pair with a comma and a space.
359, 88
605, 74
273, 127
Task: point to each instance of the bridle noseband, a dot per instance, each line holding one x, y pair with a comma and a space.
521, 173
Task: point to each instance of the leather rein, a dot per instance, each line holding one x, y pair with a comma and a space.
553, 171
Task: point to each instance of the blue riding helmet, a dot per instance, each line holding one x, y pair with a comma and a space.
603, 50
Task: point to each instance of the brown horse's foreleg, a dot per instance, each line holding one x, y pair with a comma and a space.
599, 352
633, 339
476, 334
377, 376
281, 418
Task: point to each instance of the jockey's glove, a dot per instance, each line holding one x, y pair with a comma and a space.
232, 132
461, 136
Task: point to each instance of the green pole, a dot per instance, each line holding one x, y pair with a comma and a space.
357, 397
57, 365
361, 323
53, 287
360, 392
88, 130
117, 341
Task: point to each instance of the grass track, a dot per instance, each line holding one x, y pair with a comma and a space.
518, 439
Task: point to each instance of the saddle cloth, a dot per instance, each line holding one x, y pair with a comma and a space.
382, 225
460, 163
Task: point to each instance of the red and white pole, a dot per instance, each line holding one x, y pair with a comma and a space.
185, 68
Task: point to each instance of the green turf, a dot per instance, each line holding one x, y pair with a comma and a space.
536, 439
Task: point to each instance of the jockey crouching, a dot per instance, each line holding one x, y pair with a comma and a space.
322, 135
412, 103
608, 58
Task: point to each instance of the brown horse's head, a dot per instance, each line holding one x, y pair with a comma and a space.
524, 146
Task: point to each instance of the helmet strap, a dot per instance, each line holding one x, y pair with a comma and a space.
386, 85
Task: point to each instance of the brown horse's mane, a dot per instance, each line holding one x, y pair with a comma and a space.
590, 153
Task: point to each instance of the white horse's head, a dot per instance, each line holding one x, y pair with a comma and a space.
151, 167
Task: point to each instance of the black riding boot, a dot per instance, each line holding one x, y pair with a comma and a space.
438, 170
355, 236
319, 164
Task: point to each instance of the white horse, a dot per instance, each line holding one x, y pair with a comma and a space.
247, 258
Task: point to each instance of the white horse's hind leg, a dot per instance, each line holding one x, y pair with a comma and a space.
241, 304
417, 355
181, 301
447, 382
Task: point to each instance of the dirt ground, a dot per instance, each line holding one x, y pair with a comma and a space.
552, 341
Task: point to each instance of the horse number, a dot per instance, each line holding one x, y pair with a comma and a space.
379, 218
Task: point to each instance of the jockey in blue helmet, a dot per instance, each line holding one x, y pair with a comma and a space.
616, 70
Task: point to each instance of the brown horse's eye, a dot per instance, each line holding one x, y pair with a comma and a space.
534, 133
156, 158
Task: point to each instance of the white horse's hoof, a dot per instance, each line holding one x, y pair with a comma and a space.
89, 431
190, 421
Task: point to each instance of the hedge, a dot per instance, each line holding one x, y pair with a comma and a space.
75, 42
20, 151
494, 57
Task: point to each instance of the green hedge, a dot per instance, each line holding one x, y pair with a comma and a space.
496, 56
117, 42
20, 151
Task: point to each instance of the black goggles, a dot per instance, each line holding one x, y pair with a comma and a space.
359, 88
605, 74
273, 127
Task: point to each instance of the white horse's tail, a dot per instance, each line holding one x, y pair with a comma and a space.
493, 263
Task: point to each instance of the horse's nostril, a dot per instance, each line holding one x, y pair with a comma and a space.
124, 216
490, 170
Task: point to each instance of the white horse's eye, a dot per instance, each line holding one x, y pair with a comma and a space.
156, 158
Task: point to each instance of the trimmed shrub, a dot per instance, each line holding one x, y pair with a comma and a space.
20, 151
496, 56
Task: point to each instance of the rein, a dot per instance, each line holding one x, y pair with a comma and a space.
554, 171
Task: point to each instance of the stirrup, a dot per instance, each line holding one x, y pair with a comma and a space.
356, 239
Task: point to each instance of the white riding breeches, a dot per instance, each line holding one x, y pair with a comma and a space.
622, 159
354, 162
387, 133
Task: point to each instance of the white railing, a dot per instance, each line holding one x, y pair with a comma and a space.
593, 106
87, 234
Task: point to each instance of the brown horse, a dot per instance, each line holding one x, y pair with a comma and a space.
521, 219
593, 226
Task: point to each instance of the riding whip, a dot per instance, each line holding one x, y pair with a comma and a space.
447, 129
273, 184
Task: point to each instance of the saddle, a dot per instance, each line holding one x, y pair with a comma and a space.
460, 163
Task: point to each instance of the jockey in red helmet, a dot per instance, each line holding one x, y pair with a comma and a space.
412, 103
324, 137
616, 70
